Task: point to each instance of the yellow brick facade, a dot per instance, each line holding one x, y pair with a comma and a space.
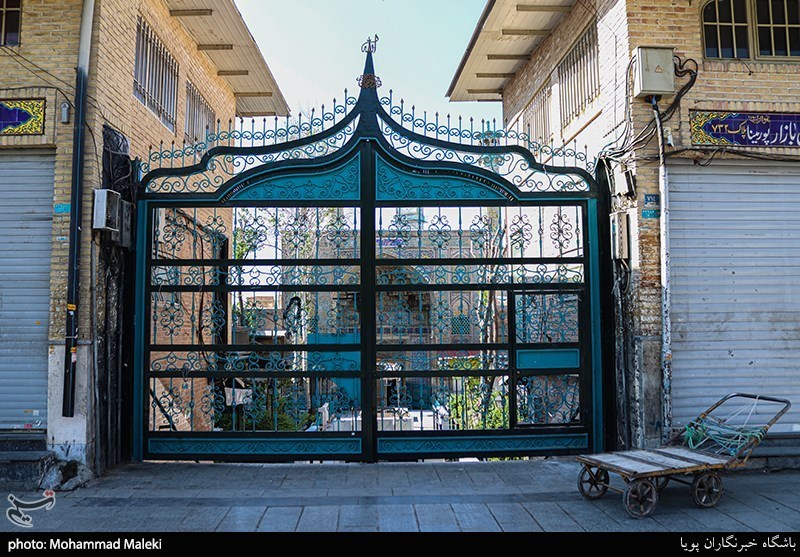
758, 85
43, 66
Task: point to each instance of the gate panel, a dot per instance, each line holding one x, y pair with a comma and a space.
254, 344
489, 297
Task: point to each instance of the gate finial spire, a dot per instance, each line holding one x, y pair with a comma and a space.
368, 79
371, 45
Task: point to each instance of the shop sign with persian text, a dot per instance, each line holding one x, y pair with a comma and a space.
745, 129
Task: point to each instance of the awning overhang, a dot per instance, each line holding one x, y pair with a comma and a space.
221, 33
507, 35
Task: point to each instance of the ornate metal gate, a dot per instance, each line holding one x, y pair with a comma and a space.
351, 289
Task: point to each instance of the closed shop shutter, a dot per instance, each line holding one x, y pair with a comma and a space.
26, 221
735, 237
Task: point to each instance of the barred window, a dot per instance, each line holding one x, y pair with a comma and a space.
155, 80
778, 27
537, 115
579, 76
10, 17
725, 29
200, 117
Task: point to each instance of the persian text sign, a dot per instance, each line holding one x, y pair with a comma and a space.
746, 129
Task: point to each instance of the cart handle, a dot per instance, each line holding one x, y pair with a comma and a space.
786, 405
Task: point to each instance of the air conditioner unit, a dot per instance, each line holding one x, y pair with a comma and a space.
107, 216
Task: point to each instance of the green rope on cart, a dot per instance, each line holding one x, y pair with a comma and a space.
730, 439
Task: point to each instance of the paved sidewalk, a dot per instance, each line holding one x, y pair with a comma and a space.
528, 496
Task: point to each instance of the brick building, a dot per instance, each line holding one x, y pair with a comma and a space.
705, 303
160, 73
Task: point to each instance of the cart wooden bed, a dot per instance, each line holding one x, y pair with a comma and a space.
684, 459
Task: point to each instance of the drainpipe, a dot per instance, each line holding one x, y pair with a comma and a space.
666, 292
76, 211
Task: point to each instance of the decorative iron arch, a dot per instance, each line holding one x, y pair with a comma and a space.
491, 346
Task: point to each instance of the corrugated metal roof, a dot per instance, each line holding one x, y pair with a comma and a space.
506, 36
221, 33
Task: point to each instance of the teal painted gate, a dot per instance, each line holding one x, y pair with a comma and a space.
357, 288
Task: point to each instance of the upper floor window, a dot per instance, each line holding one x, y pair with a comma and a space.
725, 28
778, 27
579, 76
731, 26
155, 80
10, 16
200, 117
537, 115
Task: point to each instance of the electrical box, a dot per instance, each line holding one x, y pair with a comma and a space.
655, 72
107, 211
624, 182
125, 236
620, 240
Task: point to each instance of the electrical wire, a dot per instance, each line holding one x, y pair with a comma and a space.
66, 96
628, 122
682, 69
14, 55
707, 152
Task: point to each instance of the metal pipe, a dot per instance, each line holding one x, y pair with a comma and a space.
666, 292
76, 211
95, 379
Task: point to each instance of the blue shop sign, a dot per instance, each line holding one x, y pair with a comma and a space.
747, 129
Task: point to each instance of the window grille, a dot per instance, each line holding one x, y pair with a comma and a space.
537, 115
579, 76
200, 117
155, 81
778, 27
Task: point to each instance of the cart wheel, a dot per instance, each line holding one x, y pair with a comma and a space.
707, 489
640, 498
593, 482
661, 483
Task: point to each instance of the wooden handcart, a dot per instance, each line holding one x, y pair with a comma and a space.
694, 456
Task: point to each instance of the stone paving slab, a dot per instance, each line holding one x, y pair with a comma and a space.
397, 518
516, 496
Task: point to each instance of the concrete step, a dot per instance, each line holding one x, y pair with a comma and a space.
22, 441
782, 445
23, 470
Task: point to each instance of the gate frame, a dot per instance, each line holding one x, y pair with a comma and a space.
368, 142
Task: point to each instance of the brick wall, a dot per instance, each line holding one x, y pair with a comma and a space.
43, 66
598, 123
751, 85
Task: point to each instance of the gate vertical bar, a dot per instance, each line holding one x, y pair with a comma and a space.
513, 373
598, 440
143, 231
369, 377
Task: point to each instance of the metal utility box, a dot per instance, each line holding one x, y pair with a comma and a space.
620, 239
106, 211
655, 72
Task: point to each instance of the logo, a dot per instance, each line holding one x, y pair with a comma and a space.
16, 513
